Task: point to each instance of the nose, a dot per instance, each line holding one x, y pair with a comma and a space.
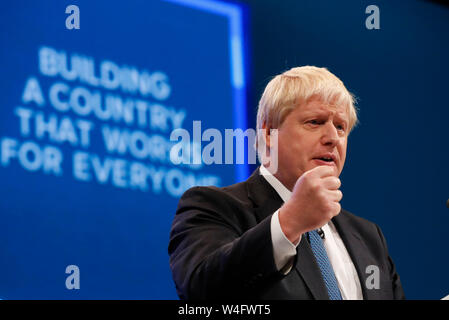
329, 135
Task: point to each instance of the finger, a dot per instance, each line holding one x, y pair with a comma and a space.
334, 195
323, 171
336, 208
331, 183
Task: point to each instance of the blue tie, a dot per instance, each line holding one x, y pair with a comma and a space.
325, 266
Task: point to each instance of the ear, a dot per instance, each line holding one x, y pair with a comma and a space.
266, 134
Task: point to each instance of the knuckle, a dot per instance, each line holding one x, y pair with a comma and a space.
308, 176
339, 195
328, 207
312, 184
320, 193
338, 182
337, 208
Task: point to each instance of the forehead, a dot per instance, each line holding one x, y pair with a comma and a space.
318, 107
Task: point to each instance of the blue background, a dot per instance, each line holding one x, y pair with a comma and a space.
396, 172
117, 237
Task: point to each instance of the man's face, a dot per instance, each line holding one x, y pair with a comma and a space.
314, 134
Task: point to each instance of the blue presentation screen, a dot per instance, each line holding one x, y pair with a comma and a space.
89, 180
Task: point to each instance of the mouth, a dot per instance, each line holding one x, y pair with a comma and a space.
327, 160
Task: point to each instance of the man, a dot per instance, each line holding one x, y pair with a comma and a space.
282, 234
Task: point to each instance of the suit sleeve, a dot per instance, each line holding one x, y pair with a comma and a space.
212, 252
398, 292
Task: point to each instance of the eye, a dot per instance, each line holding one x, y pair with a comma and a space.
315, 121
341, 127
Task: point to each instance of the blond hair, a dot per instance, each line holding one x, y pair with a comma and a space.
288, 90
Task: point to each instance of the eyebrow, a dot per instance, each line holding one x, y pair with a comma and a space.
316, 111
344, 118
326, 111
322, 111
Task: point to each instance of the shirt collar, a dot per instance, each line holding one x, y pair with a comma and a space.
282, 191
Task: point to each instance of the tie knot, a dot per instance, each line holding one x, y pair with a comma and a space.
315, 232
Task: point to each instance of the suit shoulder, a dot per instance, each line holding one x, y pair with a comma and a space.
351, 216
235, 193
226, 206
359, 222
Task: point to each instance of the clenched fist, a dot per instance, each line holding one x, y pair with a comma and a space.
314, 201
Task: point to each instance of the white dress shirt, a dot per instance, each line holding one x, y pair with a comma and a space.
284, 250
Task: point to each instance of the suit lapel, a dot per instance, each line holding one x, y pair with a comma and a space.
266, 201
357, 251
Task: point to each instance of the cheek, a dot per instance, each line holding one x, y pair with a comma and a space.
342, 152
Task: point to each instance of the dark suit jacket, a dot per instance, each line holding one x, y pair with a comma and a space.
220, 247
